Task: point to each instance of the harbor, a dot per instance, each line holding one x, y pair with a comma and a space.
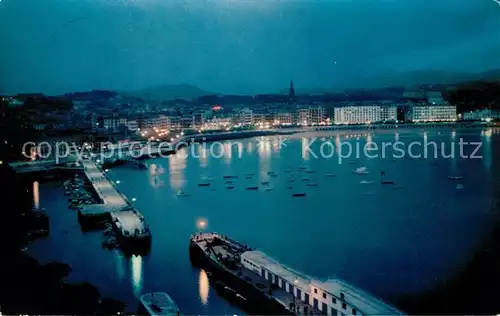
336, 220
110, 206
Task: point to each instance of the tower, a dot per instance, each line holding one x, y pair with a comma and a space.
291, 94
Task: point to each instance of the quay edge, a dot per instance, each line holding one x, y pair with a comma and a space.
271, 288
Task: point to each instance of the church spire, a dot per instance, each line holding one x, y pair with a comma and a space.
291, 94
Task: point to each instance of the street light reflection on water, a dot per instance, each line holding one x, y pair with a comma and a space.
204, 286
136, 266
36, 194
201, 223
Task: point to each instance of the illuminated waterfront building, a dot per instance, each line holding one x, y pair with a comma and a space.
363, 114
432, 113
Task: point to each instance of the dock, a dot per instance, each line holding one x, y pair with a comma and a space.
127, 221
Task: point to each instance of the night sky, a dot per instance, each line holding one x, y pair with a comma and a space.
238, 46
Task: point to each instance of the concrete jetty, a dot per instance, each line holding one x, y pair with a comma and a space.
115, 206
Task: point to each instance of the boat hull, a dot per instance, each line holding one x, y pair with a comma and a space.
256, 301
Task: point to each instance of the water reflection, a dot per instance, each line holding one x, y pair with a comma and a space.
249, 147
177, 168
119, 263
396, 137
337, 143
204, 286
36, 194
264, 148
240, 150
136, 265
203, 155
228, 153
154, 175
486, 152
305, 152
369, 138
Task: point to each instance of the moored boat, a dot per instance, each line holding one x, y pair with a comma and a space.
158, 303
268, 287
387, 182
455, 177
360, 171
252, 188
298, 195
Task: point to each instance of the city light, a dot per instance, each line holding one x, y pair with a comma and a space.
134, 199
117, 181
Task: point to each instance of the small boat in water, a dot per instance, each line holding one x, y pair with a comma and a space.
252, 188
269, 189
330, 175
181, 193
298, 195
309, 171
205, 184
265, 182
158, 303
366, 182
272, 174
387, 182
306, 179
230, 187
360, 171
230, 177
312, 185
455, 177
460, 186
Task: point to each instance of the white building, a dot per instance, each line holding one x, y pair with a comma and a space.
478, 115
332, 297
284, 118
433, 113
113, 123
303, 117
132, 125
388, 113
317, 115
246, 116
364, 114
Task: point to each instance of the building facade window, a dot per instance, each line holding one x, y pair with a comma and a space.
334, 300
354, 311
324, 295
344, 306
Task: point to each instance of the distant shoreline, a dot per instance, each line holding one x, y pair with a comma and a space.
334, 128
